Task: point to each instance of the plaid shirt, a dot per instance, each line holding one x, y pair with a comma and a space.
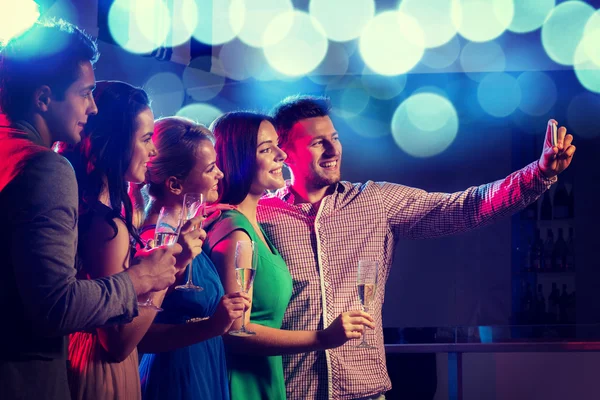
322, 245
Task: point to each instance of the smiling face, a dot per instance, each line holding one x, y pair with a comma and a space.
315, 153
67, 116
142, 147
269, 160
205, 176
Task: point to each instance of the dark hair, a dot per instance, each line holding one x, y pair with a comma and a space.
236, 136
296, 108
176, 140
106, 149
46, 54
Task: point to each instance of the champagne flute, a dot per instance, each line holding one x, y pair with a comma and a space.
367, 287
192, 202
245, 268
165, 234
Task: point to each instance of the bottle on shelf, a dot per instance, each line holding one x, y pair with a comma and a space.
548, 264
537, 250
570, 259
560, 251
527, 304
563, 305
530, 213
546, 209
553, 304
560, 209
540, 305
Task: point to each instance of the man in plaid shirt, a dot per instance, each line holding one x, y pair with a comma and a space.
322, 226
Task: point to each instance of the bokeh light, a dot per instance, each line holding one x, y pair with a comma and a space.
563, 29
258, 15
222, 24
392, 43
348, 97
166, 93
303, 47
582, 115
185, 21
341, 20
382, 87
591, 39
368, 126
499, 94
530, 14
434, 18
15, 20
333, 67
232, 56
586, 70
482, 20
424, 125
538, 92
200, 84
443, 56
202, 113
139, 26
482, 57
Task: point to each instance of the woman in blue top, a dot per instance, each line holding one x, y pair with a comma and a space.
184, 355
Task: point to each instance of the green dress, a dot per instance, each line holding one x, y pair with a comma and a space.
257, 377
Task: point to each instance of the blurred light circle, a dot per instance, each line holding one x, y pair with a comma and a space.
348, 97
392, 43
139, 26
434, 18
586, 70
431, 89
200, 84
222, 24
303, 47
258, 15
530, 14
185, 21
166, 93
424, 125
591, 38
499, 94
232, 56
582, 115
333, 67
482, 57
563, 30
15, 20
369, 127
382, 87
442, 56
200, 112
482, 20
538, 93
342, 21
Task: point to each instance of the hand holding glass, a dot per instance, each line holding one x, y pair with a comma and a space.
367, 287
245, 268
192, 202
165, 234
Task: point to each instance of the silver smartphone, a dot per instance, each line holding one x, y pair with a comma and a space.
554, 135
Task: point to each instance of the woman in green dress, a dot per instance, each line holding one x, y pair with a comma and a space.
249, 156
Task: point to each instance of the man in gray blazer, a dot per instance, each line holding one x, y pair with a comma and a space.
46, 83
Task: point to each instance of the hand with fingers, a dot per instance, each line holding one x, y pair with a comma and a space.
230, 308
556, 156
191, 238
154, 270
212, 213
348, 325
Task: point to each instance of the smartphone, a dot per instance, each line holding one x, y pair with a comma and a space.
554, 135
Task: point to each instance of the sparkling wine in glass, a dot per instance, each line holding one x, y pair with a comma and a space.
165, 234
366, 284
192, 202
245, 269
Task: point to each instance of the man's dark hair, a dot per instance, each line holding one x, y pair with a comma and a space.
236, 136
296, 108
48, 53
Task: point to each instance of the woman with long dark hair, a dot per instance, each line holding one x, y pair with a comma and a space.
251, 160
115, 148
